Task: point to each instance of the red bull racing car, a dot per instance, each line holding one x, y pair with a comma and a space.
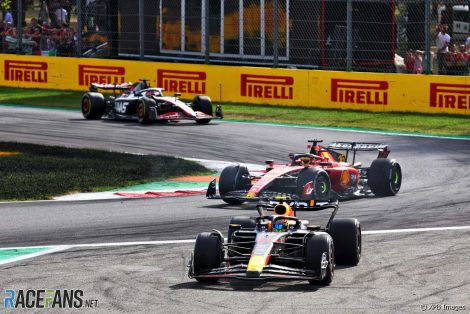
322, 173
277, 246
145, 104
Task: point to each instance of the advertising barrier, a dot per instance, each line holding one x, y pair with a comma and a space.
378, 92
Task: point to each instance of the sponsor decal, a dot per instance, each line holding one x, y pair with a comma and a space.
192, 82
359, 92
46, 299
308, 188
88, 74
267, 86
25, 71
455, 96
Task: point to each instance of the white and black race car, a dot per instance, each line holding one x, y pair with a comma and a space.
145, 104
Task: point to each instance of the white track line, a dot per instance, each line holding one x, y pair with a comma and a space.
378, 132
163, 242
416, 230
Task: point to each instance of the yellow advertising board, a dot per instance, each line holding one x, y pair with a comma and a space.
249, 85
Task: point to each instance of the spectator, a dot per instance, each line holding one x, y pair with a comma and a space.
409, 61
60, 16
418, 65
467, 47
442, 44
7, 17
43, 18
68, 7
2, 30
467, 43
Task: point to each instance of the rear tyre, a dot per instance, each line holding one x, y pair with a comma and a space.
93, 106
384, 177
319, 250
347, 237
143, 110
203, 104
233, 178
207, 255
244, 222
313, 184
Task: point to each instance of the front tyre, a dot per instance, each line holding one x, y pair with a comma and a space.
384, 177
244, 222
313, 184
93, 106
207, 255
204, 105
233, 178
319, 257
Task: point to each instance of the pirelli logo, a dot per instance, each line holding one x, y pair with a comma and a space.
88, 74
192, 82
267, 86
359, 92
455, 96
25, 71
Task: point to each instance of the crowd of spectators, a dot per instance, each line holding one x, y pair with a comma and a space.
50, 34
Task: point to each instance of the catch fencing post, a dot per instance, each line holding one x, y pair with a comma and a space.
206, 32
79, 28
349, 37
141, 29
19, 24
276, 34
427, 37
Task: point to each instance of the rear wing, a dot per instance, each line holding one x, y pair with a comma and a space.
356, 146
94, 87
359, 146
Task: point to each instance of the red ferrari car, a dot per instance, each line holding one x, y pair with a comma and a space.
321, 174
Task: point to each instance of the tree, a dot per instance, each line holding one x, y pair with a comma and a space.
5, 4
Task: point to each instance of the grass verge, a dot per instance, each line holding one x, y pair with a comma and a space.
31, 172
455, 125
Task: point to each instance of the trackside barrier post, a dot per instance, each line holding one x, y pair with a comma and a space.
349, 37
276, 34
141, 29
427, 36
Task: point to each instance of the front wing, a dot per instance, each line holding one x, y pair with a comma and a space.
239, 271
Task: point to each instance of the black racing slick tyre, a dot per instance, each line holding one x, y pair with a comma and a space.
233, 178
143, 110
93, 106
203, 104
244, 222
384, 177
347, 237
319, 251
313, 184
207, 255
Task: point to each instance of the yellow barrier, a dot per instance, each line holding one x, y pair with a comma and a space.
306, 88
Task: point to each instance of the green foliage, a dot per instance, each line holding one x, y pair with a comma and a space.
5, 4
41, 172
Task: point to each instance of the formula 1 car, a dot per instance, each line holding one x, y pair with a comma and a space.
278, 246
320, 174
140, 101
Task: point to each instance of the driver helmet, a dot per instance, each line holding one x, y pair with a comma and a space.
280, 225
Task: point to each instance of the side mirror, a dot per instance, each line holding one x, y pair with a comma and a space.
177, 95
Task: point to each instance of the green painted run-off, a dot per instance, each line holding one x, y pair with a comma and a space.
6, 254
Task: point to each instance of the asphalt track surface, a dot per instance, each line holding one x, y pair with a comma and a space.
399, 272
